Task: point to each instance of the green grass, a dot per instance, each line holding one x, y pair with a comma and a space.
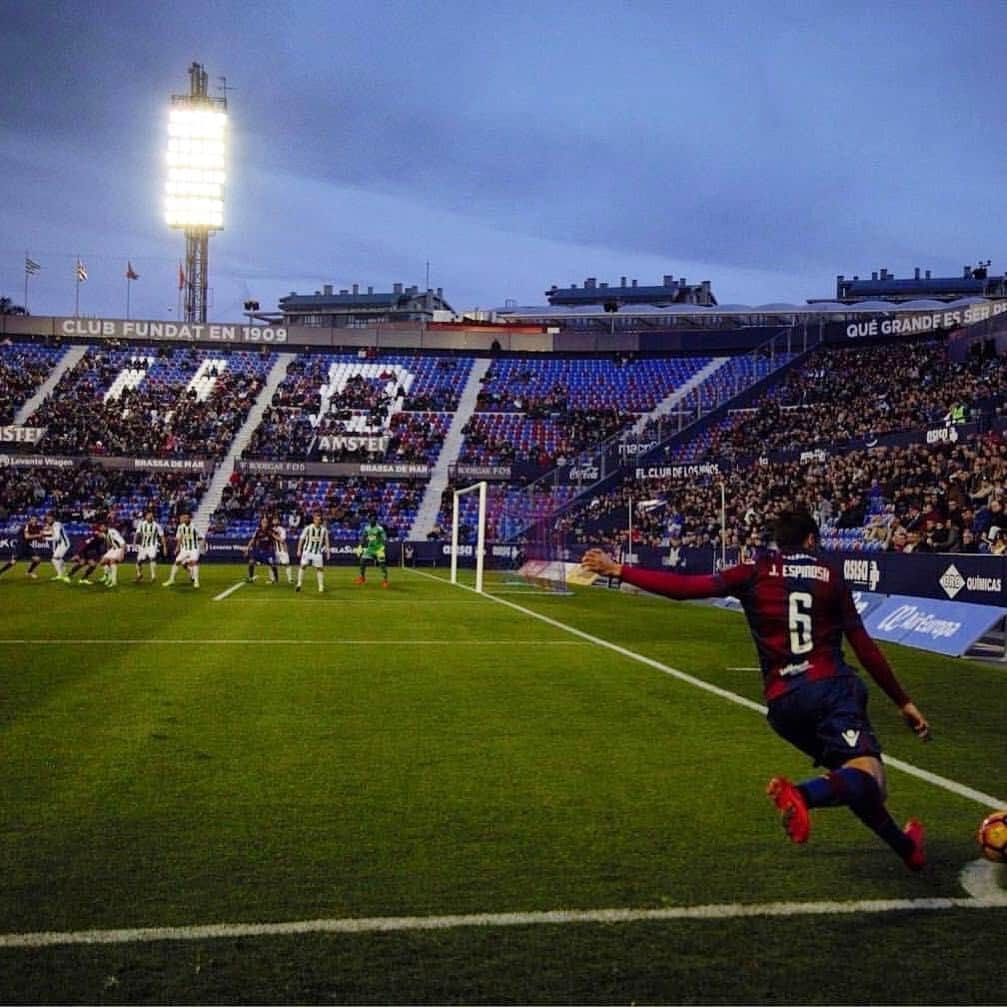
460, 757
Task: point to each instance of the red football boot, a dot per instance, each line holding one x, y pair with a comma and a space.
796, 821
359, 580
916, 860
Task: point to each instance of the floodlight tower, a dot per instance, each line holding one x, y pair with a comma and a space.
194, 193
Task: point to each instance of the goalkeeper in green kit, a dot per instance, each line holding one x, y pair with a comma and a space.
372, 546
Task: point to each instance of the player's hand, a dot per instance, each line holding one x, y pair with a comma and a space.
915, 721
598, 561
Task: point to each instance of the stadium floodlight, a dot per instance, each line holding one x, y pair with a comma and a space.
197, 151
197, 172
479, 488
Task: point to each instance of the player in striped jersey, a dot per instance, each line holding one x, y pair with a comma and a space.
187, 541
282, 554
313, 549
54, 531
114, 555
149, 538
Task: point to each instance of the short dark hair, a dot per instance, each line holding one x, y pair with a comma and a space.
792, 529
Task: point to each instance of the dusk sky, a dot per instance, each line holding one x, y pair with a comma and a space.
763, 146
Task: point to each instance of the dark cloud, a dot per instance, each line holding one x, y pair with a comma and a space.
794, 139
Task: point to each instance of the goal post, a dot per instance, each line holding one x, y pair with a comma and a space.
480, 546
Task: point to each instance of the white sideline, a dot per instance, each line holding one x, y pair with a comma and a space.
987, 800
387, 924
230, 590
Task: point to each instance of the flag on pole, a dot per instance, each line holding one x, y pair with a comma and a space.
131, 273
181, 277
31, 267
81, 272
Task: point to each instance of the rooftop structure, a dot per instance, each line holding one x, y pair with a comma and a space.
975, 281
670, 291
352, 307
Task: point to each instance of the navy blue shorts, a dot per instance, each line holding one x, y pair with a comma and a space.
28, 550
264, 556
827, 720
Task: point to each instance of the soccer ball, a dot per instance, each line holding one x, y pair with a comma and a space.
992, 837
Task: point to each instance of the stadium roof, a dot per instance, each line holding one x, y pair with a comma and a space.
818, 308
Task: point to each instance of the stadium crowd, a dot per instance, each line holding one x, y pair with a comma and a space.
343, 503
937, 498
23, 367
842, 394
86, 492
544, 442
159, 418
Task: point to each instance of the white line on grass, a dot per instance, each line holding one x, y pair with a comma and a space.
386, 924
309, 642
987, 800
979, 879
230, 590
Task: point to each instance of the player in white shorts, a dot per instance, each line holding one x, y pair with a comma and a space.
312, 550
149, 539
282, 553
54, 531
114, 554
188, 540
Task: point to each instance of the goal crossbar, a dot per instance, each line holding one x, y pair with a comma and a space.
479, 488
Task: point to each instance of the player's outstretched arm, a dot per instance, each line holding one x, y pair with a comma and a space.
877, 666
672, 585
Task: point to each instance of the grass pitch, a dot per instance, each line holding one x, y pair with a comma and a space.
170, 760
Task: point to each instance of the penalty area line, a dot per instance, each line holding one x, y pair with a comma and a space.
557, 917
230, 590
952, 786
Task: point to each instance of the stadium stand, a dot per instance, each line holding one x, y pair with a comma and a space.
840, 394
344, 503
407, 397
152, 402
86, 493
936, 498
24, 366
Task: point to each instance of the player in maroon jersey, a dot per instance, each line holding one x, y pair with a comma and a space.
799, 608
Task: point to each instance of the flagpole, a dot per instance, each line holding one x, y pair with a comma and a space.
26, 281
76, 302
129, 284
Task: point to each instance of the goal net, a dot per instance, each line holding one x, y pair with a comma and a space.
510, 536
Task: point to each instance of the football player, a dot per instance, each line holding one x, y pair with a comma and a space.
282, 554
373, 540
261, 549
148, 537
187, 546
59, 542
799, 607
312, 550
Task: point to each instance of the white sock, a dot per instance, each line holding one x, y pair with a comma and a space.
300, 576
321, 579
171, 576
290, 574
153, 570
194, 573
58, 565
113, 574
